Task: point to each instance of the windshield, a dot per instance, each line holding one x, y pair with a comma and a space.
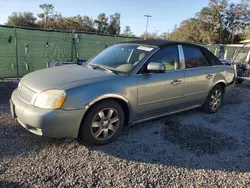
121, 58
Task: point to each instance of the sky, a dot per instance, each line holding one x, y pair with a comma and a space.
165, 13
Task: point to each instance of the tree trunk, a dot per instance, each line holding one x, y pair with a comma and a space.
232, 37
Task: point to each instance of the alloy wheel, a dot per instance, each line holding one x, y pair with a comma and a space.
215, 100
105, 124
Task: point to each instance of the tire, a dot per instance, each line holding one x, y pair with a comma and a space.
100, 125
239, 81
215, 96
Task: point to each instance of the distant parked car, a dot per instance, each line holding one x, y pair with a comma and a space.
126, 83
57, 64
242, 69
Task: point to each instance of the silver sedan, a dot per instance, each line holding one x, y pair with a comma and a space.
126, 83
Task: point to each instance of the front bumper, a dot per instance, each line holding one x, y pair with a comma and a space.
50, 123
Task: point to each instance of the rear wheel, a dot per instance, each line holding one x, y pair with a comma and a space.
239, 81
214, 100
102, 123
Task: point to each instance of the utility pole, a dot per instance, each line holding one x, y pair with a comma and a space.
146, 32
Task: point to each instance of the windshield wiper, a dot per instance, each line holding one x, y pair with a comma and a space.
103, 68
84, 63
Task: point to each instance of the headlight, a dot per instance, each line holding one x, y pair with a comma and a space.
50, 99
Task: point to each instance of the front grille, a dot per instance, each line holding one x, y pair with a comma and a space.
25, 93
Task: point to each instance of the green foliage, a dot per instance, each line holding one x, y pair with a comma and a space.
50, 20
127, 32
101, 23
25, 19
109, 25
219, 22
114, 24
46, 15
248, 33
188, 31
153, 35
48, 9
88, 24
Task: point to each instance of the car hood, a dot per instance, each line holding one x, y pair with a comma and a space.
64, 77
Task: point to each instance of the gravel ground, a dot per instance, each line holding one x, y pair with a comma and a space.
190, 149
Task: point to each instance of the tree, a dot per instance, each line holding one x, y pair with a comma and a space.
127, 32
237, 18
114, 24
59, 22
88, 24
77, 22
248, 33
187, 31
153, 35
25, 19
50, 20
101, 23
219, 22
226, 19
48, 11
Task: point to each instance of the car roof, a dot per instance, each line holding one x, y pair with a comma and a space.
158, 42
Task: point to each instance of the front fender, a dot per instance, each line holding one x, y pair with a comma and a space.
106, 96
87, 95
112, 96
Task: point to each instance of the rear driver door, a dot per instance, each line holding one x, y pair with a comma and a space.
199, 76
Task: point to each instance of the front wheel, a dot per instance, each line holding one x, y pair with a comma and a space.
102, 123
214, 100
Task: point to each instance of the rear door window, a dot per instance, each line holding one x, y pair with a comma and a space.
214, 61
194, 57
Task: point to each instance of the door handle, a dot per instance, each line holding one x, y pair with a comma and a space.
209, 76
175, 82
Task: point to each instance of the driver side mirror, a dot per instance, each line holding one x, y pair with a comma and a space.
156, 67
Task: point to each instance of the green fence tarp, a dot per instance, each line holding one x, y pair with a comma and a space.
36, 49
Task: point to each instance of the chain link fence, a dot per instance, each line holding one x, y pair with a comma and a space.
24, 50
231, 52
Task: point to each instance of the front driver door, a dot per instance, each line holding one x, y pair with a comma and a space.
160, 93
